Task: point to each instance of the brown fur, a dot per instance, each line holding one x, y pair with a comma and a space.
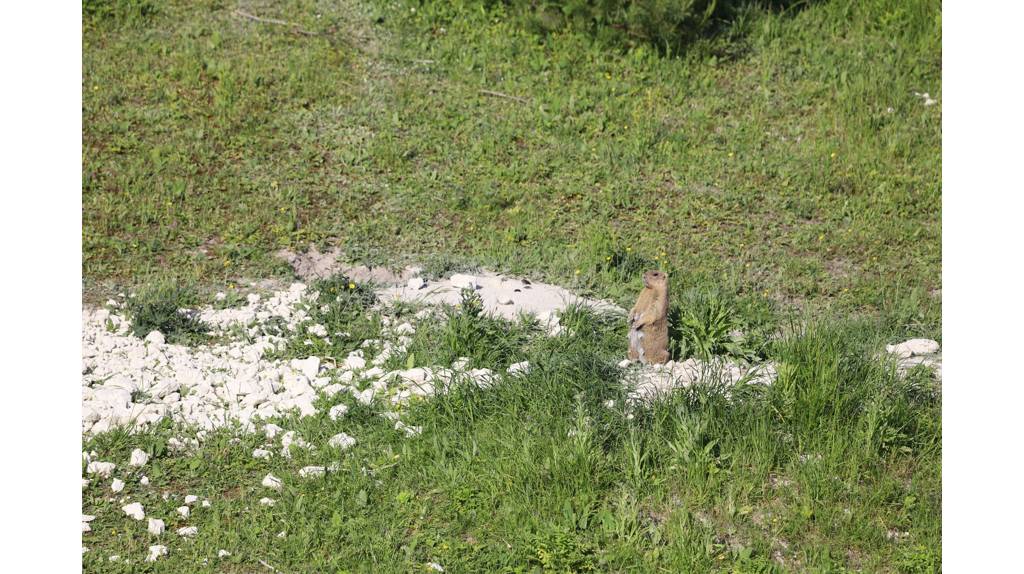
648, 321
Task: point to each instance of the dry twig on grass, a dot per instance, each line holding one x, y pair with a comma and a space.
255, 18
506, 96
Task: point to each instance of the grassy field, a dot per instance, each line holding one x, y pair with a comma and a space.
780, 167
834, 468
787, 155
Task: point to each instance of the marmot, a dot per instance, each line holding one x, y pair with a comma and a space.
648, 321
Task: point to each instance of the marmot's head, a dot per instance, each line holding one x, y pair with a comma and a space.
655, 279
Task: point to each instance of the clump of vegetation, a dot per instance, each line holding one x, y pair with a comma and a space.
341, 308
164, 306
443, 265
707, 321
466, 331
667, 25
117, 11
232, 298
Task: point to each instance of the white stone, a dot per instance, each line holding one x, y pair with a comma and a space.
101, 469
188, 531
435, 566
155, 552
267, 501
337, 411
272, 482
520, 368
134, 510
223, 553
365, 396
253, 298
261, 453
341, 441
117, 485
405, 329
89, 414
155, 337
139, 458
155, 527
409, 430
416, 283
271, 430
309, 366
86, 527
625, 363
206, 503
311, 471
460, 281
503, 299
913, 347
354, 362
144, 481
184, 511
191, 498
331, 390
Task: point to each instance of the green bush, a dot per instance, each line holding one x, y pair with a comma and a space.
666, 24
705, 322
162, 307
117, 11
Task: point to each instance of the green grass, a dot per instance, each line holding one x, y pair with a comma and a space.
764, 156
164, 306
537, 474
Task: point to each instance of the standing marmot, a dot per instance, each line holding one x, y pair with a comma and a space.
648, 321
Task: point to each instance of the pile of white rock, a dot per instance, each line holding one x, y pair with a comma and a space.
127, 381
648, 382
138, 382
